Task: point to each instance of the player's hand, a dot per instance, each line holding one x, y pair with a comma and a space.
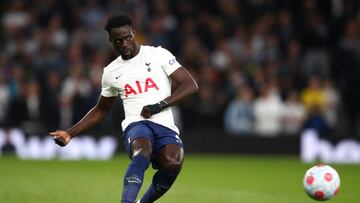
61, 138
149, 110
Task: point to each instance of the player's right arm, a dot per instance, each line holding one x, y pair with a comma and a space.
95, 116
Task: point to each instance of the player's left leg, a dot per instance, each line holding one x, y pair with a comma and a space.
169, 160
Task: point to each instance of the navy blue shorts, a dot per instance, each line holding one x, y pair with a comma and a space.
159, 135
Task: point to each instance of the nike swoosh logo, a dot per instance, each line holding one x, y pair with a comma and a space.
117, 77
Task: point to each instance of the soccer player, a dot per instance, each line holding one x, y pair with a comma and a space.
149, 81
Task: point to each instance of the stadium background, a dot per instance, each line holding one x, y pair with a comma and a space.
282, 66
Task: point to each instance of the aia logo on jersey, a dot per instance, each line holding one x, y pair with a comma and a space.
138, 89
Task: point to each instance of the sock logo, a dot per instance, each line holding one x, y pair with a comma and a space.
133, 180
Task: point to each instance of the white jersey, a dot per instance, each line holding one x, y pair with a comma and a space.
140, 81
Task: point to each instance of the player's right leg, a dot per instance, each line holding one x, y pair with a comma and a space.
138, 143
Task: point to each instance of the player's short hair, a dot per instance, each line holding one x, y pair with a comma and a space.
118, 20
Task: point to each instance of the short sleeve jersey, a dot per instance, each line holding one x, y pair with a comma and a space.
140, 81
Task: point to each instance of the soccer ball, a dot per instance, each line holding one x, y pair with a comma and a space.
321, 182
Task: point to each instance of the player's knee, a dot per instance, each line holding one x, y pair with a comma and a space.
141, 146
172, 164
143, 151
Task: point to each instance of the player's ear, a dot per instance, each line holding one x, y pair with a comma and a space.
133, 32
110, 39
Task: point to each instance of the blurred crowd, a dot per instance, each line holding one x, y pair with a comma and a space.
267, 67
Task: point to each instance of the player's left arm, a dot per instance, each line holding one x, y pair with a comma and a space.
183, 85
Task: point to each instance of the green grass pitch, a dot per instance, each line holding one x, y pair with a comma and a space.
205, 178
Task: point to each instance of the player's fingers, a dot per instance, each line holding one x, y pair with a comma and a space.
54, 133
142, 113
60, 143
145, 113
59, 140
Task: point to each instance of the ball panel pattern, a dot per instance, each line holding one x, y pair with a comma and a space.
321, 182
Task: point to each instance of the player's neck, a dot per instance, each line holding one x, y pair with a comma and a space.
135, 53
137, 50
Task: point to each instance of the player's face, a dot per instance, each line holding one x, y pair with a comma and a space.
123, 40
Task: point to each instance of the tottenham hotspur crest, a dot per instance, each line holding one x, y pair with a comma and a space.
148, 66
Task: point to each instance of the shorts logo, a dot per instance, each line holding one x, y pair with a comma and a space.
178, 139
172, 61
